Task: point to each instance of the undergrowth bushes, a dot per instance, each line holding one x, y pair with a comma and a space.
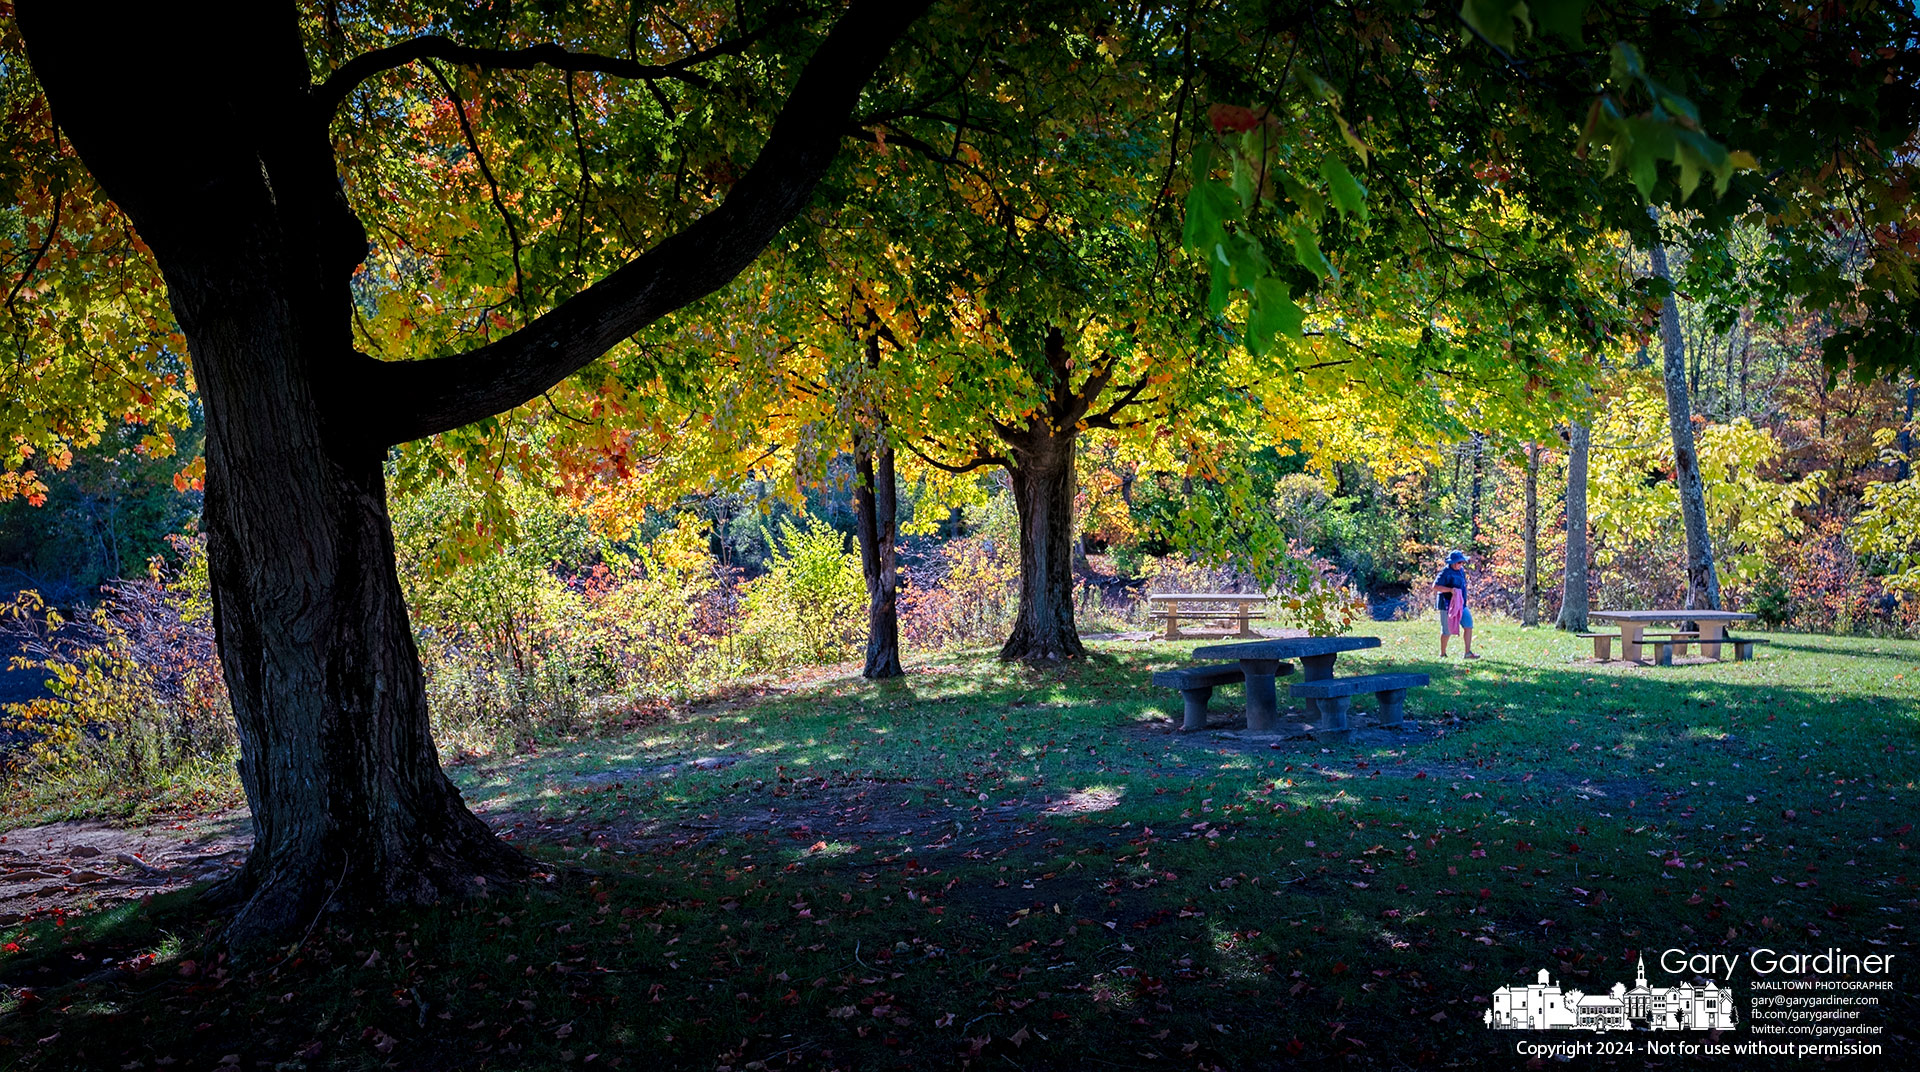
137, 712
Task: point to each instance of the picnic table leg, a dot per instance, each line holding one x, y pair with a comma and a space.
1173, 621
1262, 703
1709, 640
1335, 723
1315, 668
1630, 640
1246, 620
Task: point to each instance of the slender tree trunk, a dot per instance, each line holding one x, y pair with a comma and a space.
1573, 597
1905, 439
1703, 581
1479, 450
876, 520
1530, 582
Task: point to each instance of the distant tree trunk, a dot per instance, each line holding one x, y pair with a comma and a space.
1530, 597
876, 523
1905, 440
1479, 449
874, 498
1573, 598
1039, 457
1703, 581
1042, 471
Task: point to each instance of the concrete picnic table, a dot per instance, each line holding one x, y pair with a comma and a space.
1260, 660
1173, 601
1633, 623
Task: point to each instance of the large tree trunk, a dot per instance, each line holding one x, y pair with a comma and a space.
199, 122
877, 523
1703, 581
1530, 539
257, 245
1573, 591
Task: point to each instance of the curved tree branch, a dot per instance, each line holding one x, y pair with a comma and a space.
410, 400
979, 461
329, 95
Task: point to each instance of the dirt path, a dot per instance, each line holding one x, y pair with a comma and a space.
84, 865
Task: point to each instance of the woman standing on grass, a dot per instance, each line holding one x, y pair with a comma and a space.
1451, 590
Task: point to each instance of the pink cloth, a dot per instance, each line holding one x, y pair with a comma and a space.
1450, 618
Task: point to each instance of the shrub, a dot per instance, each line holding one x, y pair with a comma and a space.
967, 594
137, 701
809, 608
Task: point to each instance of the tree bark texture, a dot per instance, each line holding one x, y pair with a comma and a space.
877, 523
1573, 593
198, 120
1703, 580
1530, 538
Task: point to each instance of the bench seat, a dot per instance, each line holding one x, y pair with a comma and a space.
1196, 685
1334, 698
1743, 646
1602, 645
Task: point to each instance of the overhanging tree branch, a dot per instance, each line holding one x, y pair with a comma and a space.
420, 398
330, 94
979, 461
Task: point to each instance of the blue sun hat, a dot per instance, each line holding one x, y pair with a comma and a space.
1456, 558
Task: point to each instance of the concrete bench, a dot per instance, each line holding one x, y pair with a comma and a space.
1243, 617
1663, 645
1602, 645
1196, 685
1335, 696
1743, 646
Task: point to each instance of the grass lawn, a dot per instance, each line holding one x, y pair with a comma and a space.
1001, 867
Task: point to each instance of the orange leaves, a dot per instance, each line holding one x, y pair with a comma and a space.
1237, 119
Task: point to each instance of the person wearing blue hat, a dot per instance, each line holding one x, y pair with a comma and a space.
1450, 592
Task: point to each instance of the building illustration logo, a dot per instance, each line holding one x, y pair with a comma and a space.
1543, 1006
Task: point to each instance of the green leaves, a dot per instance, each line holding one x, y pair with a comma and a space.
1495, 19
1306, 250
1349, 196
1274, 314
1669, 130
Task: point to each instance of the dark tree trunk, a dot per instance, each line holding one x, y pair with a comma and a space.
1703, 580
1905, 440
876, 521
257, 246
1530, 538
1043, 490
1573, 590
199, 122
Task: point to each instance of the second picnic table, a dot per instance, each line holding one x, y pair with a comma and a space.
1261, 661
1633, 624
1180, 605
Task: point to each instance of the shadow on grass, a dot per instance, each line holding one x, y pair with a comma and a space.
1217, 908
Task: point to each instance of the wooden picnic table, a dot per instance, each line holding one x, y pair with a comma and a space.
1633, 623
1244, 604
1260, 660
